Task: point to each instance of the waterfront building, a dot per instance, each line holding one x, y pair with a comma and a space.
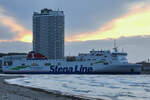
48, 33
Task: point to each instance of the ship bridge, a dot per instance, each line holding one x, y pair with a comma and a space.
94, 55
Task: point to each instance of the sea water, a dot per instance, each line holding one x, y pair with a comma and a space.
109, 87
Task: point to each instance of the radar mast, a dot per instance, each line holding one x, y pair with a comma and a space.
115, 46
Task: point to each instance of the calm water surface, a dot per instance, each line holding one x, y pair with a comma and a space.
109, 87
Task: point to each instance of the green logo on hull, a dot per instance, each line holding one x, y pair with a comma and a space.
20, 67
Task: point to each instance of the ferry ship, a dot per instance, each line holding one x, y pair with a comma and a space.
94, 62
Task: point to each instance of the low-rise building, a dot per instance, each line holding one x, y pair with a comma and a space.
145, 67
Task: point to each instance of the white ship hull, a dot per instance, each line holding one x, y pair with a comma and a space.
95, 62
74, 68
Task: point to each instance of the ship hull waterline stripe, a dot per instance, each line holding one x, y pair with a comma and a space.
72, 73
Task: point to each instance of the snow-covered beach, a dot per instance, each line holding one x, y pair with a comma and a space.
18, 92
109, 87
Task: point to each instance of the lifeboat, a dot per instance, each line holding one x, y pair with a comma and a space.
35, 56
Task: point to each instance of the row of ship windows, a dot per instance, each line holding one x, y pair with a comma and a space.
46, 64
9, 63
93, 55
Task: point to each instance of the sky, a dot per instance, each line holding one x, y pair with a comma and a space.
89, 24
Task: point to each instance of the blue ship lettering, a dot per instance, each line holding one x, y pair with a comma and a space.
76, 69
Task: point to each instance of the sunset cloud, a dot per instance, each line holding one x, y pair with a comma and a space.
23, 34
134, 23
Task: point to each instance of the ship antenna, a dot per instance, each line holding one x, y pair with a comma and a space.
115, 46
122, 50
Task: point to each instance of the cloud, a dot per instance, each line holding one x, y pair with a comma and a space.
87, 17
88, 11
5, 34
11, 23
80, 22
135, 23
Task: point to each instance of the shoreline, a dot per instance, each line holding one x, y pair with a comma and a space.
17, 92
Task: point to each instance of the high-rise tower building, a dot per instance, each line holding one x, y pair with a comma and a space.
48, 33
